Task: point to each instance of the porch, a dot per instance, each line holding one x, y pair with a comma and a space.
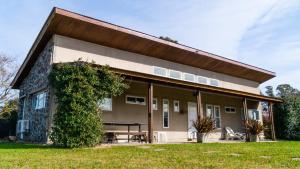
174, 108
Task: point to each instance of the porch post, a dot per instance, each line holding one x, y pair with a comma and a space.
245, 107
150, 112
199, 105
272, 120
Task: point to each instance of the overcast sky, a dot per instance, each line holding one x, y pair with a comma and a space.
264, 33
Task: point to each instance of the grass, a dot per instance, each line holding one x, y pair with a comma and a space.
214, 155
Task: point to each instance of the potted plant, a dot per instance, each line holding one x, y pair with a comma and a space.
203, 126
254, 128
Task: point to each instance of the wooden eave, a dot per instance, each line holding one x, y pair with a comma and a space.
189, 85
70, 24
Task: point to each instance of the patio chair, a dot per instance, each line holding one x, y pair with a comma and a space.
110, 137
230, 134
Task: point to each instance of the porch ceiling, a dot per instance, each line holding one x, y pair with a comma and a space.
81, 27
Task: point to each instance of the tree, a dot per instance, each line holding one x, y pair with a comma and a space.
168, 39
9, 113
270, 91
287, 114
7, 72
79, 87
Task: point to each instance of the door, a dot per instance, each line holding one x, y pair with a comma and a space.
192, 116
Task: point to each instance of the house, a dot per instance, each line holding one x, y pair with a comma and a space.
170, 84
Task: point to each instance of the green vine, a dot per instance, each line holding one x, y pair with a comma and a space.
79, 87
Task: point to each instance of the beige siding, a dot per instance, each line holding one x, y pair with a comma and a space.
177, 131
68, 50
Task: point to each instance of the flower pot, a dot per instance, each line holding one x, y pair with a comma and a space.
253, 138
202, 137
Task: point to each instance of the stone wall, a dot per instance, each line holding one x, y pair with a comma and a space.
35, 82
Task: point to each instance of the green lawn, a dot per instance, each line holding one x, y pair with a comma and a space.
239, 155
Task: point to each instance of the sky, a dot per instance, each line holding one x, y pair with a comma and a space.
263, 33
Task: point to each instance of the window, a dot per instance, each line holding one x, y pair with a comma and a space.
217, 116
253, 114
214, 112
155, 107
135, 100
209, 111
40, 100
176, 106
189, 77
214, 82
202, 80
175, 74
230, 110
106, 104
160, 71
165, 113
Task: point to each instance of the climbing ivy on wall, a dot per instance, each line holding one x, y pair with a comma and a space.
79, 87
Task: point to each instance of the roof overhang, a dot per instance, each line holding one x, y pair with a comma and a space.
194, 86
88, 29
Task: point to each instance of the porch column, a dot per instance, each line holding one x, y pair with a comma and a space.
272, 120
245, 108
150, 112
199, 105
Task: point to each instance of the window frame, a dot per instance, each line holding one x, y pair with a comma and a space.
213, 113
176, 101
212, 108
110, 107
168, 113
157, 67
180, 74
230, 107
38, 99
210, 82
184, 74
203, 78
220, 120
135, 103
252, 110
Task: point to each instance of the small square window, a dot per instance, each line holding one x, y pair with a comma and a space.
176, 106
106, 104
202, 80
175, 74
160, 71
189, 77
230, 109
214, 82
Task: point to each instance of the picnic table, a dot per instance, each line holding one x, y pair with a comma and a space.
129, 133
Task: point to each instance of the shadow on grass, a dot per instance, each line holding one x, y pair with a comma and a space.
12, 145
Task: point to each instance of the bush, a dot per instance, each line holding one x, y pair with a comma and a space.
204, 125
79, 87
254, 127
9, 117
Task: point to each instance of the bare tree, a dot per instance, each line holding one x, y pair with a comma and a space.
7, 72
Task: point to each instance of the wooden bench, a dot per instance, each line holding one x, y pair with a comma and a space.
112, 136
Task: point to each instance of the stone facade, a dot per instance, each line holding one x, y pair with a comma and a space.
35, 82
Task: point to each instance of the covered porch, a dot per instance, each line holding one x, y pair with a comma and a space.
174, 106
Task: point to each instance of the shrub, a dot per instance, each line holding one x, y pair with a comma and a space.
204, 125
78, 89
254, 127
